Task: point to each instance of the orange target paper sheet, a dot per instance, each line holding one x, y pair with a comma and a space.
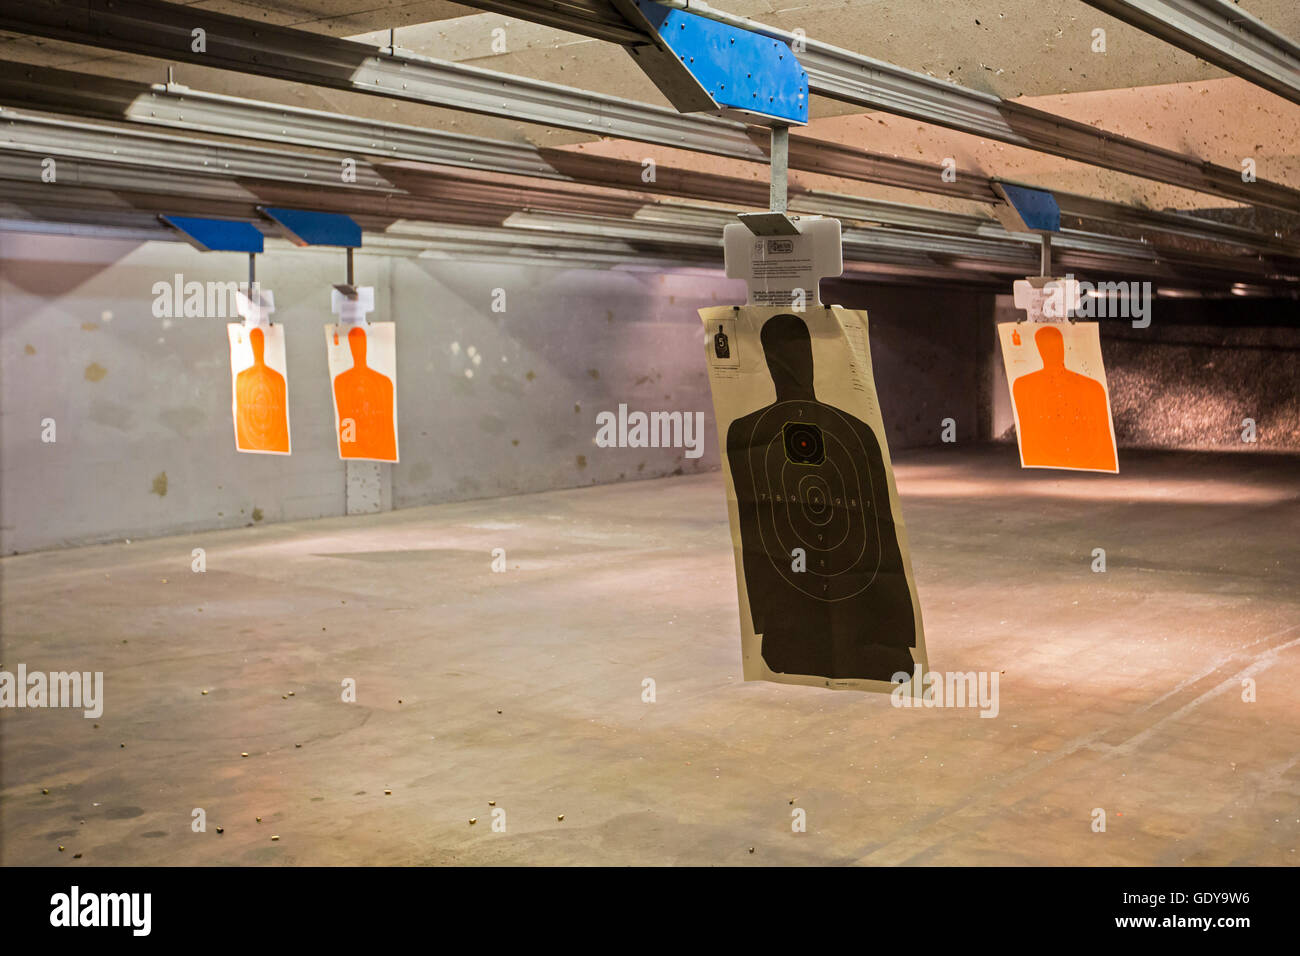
363, 372
1059, 395
259, 389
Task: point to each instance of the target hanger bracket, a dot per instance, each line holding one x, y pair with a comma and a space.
703, 66
217, 235
1036, 211
1026, 210
348, 289
776, 221
230, 235
306, 227
782, 258
256, 306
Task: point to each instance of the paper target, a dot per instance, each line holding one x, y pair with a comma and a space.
825, 584
812, 488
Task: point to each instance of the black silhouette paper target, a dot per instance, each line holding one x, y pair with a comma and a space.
819, 545
811, 491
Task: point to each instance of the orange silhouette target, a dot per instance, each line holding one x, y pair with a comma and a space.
261, 395
1062, 417
364, 397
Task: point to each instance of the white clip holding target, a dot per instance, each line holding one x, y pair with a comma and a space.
352, 312
1047, 299
785, 270
256, 309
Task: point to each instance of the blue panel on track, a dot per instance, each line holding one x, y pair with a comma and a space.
307, 228
739, 69
218, 235
1036, 207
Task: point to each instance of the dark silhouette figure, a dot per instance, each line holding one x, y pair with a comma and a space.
1064, 418
365, 403
812, 477
721, 348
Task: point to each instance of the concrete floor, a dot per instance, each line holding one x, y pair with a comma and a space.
1119, 690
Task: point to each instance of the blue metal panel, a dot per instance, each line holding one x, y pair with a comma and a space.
307, 228
1037, 208
218, 235
739, 69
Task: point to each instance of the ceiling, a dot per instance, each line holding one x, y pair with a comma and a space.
1037, 53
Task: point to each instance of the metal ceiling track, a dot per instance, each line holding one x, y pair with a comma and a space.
552, 238
1220, 33
166, 30
592, 18
853, 78
59, 137
110, 157
129, 170
175, 106
152, 162
670, 235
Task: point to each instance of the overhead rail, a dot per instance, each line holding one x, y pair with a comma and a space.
85, 157
1220, 33
167, 31
946, 259
540, 244
91, 155
175, 106
153, 175
54, 136
593, 18
853, 78
133, 151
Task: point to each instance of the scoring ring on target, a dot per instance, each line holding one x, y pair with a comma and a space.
814, 496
